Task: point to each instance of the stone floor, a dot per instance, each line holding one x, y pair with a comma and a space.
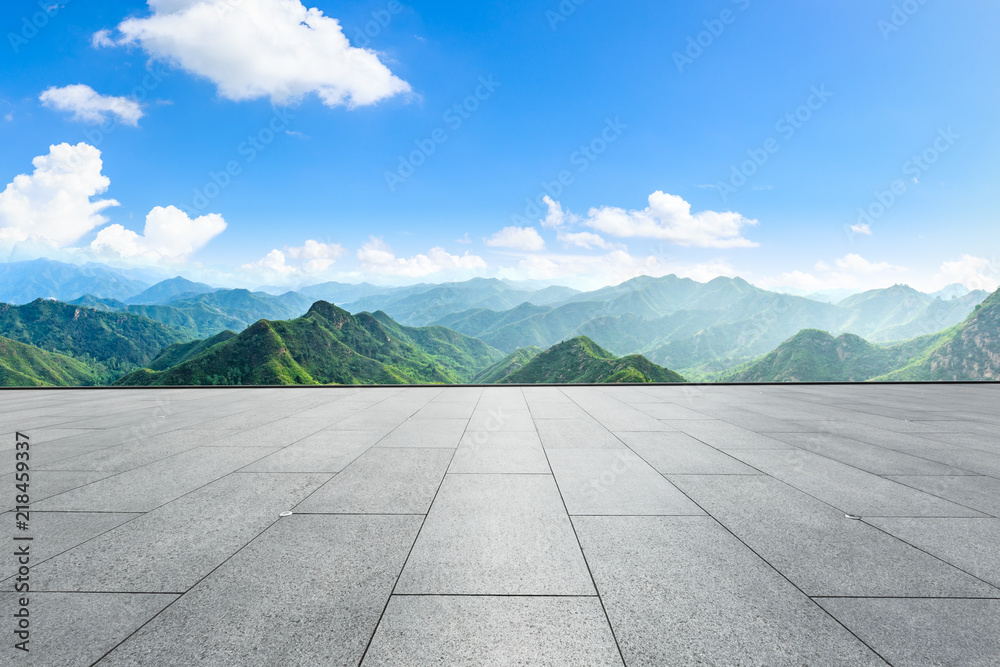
653, 525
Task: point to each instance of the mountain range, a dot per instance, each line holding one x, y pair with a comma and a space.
723, 329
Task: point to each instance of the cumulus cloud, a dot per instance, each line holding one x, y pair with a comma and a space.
586, 240
55, 205
311, 258
517, 238
669, 218
556, 217
973, 272
252, 49
376, 256
89, 106
169, 234
851, 271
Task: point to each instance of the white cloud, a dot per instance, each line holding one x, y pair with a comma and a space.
669, 218
262, 48
102, 39
594, 271
169, 234
855, 263
973, 272
309, 259
556, 217
377, 257
861, 228
517, 238
586, 240
851, 271
54, 204
89, 106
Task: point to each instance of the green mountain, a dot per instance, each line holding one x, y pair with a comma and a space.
969, 351
23, 282
327, 345
513, 362
168, 290
581, 360
816, 356
178, 353
115, 342
29, 366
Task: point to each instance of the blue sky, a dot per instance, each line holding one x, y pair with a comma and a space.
671, 98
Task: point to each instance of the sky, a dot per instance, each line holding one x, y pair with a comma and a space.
845, 144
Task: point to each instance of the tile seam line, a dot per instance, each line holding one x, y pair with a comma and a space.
416, 536
576, 535
762, 559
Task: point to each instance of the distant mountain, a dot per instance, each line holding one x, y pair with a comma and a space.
118, 342
969, 351
206, 314
338, 293
953, 291
513, 362
328, 345
29, 366
938, 315
581, 360
167, 290
816, 356
418, 305
23, 282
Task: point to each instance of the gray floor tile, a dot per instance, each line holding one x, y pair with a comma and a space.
682, 591
141, 452
497, 535
55, 532
576, 434
276, 603
383, 481
817, 547
870, 458
170, 549
74, 629
848, 489
146, 488
609, 481
434, 630
979, 493
501, 419
724, 436
500, 452
969, 544
681, 454
47, 483
326, 451
426, 433
556, 410
943, 633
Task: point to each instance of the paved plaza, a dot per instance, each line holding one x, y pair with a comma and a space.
640, 525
